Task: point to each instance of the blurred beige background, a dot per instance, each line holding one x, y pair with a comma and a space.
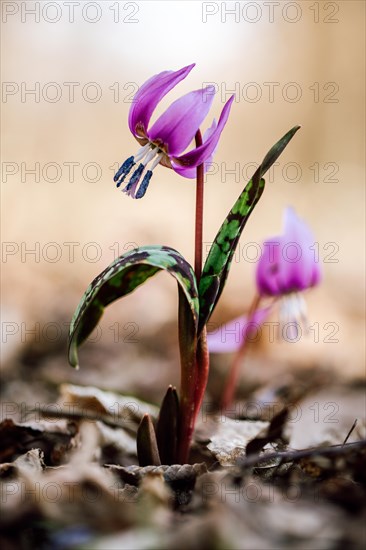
288, 62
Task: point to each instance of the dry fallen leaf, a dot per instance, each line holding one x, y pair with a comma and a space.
231, 437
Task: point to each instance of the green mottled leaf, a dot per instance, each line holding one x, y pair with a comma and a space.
276, 150
217, 265
122, 277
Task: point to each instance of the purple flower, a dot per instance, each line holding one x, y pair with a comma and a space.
287, 263
167, 139
287, 267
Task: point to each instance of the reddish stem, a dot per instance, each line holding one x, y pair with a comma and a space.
199, 214
192, 391
202, 369
193, 385
202, 355
187, 420
232, 379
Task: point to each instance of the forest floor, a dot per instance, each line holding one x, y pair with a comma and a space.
284, 469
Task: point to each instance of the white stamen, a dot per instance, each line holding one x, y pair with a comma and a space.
293, 311
141, 152
150, 155
147, 153
156, 161
302, 307
144, 156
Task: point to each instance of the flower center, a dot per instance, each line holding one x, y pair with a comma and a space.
149, 153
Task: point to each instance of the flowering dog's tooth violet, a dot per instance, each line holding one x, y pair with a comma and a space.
167, 139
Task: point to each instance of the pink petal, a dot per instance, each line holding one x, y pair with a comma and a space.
192, 172
269, 267
177, 126
200, 154
297, 258
231, 336
149, 95
305, 272
288, 263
